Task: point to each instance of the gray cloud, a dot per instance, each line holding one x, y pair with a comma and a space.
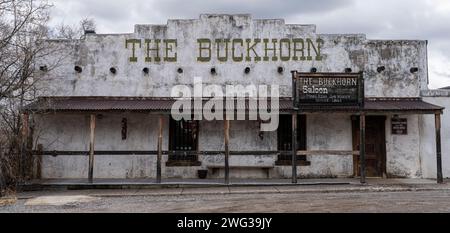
444, 74
379, 19
260, 8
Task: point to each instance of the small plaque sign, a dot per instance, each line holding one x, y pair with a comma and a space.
399, 126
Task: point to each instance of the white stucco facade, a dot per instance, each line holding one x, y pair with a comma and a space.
411, 155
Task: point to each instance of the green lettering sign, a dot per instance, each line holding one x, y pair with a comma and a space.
286, 42
154, 49
273, 49
133, 43
316, 49
170, 44
218, 42
284, 49
252, 47
204, 45
299, 46
240, 57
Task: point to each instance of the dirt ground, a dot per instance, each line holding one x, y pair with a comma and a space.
232, 200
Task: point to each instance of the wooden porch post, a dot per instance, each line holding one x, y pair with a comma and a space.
294, 148
437, 117
33, 160
91, 148
40, 151
159, 157
24, 143
362, 146
227, 150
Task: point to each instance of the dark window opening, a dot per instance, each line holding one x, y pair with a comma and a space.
183, 138
285, 140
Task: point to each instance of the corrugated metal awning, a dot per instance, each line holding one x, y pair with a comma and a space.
100, 104
154, 104
382, 105
140, 104
399, 104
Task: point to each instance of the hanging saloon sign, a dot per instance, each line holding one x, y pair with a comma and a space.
328, 89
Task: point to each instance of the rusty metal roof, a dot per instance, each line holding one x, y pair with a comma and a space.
399, 104
99, 104
149, 104
136, 104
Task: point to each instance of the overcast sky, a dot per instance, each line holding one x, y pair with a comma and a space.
379, 19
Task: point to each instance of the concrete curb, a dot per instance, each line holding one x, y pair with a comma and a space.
84, 186
277, 191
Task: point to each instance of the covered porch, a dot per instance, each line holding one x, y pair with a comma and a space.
159, 109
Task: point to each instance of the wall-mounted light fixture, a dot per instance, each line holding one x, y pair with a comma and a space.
213, 71
146, 70
247, 70
414, 70
113, 70
314, 70
180, 70
348, 70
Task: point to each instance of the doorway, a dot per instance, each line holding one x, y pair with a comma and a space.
375, 146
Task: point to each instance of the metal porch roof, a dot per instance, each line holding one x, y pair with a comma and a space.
155, 104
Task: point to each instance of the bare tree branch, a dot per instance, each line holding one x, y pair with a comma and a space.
24, 43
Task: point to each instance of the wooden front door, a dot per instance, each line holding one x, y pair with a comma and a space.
375, 146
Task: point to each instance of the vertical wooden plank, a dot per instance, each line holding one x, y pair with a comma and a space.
91, 149
294, 148
40, 151
437, 118
197, 136
159, 157
294, 90
294, 127
355, 143
227, 150
23, 146
362, 146
32, 160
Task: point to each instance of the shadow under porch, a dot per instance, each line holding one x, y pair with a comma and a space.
160, 108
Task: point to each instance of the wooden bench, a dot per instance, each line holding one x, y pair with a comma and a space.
266, 168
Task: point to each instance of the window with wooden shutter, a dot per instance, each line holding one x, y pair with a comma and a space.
285, 140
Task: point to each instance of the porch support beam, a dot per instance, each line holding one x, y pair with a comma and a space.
362, 146
294, 148
437, 118
227, 150
159, 156
91, 149
23, 146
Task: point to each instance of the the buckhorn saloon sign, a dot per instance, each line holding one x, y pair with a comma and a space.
328, 89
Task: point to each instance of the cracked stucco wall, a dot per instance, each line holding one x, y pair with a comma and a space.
98, 52
427, 131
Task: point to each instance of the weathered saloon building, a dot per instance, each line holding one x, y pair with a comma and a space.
105, 108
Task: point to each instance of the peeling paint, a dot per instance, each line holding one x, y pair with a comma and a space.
98, 53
